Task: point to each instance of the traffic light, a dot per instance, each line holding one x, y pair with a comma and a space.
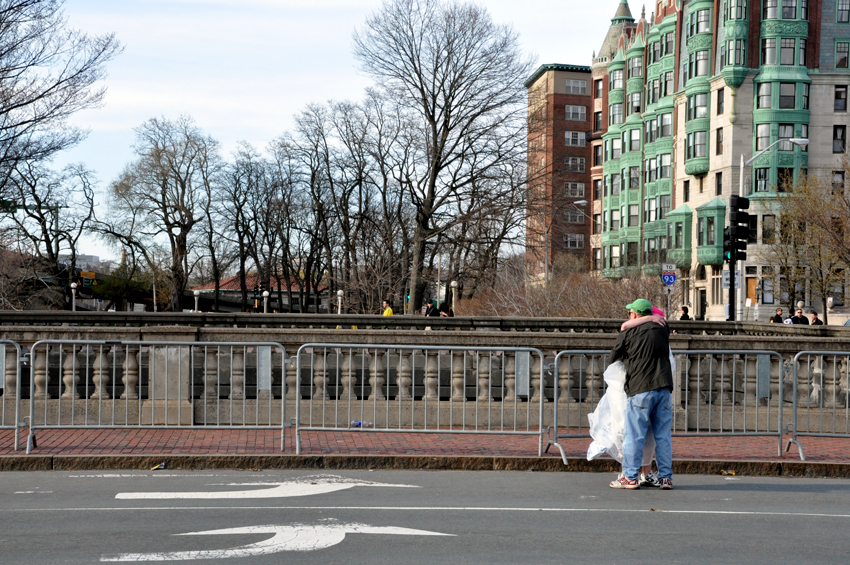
728, 245
739, 228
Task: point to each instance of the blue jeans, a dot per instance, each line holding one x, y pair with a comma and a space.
642, 410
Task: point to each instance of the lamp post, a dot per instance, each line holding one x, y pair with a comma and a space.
265, 302
73, 297
799, 142
197, 294
454, 295
339, 294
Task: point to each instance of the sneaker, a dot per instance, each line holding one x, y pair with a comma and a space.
666, 484
623, 482
649, 480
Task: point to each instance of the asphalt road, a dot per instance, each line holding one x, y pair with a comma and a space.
417, 517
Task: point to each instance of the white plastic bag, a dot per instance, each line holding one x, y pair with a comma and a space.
608, 421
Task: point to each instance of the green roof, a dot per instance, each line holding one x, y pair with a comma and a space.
555, 67
716, 204
683, 210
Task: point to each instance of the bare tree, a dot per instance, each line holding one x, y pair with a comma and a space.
460, 78
47, 73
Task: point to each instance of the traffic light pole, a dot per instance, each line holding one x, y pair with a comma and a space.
733, 263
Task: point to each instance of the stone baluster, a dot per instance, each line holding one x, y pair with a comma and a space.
405, 375
484, 366
750, 383
432, 375
39, 361
290, 371
348, 375
377, 368
237, 373
844, 382
131, 373
319, 379
776, 380
565, 378
805, 375
510, 378
100, 373
458, 376
723, 381
210, 373
593, 379
696, 382
11, 389
537, 382
831, 382
70, 371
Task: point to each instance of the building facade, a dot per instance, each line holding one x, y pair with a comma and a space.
680, 100
559, 161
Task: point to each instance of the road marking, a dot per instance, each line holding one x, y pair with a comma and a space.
33, 492
298, 537
303, 486
433, 508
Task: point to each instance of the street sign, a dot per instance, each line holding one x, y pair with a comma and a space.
668, 278
725, 279
87, 274
668, 267
668, 290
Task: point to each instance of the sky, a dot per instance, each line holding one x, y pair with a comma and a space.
243, 68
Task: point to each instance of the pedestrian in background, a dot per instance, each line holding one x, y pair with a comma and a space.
815, 320
388, 311
776, 318
684, 315
800, 318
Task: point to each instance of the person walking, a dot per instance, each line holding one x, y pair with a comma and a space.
800, 318
777, 318
684, 315
645, 350
815, 320
388, 311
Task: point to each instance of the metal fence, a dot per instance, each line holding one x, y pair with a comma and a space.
149, 384
715, 393
396, 388
821, 396
10, 412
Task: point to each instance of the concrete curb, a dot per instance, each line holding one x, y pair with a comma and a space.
406, 462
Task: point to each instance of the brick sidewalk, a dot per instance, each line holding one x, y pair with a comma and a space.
267, 442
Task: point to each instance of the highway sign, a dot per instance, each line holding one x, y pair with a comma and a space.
669, 290
668, 267
668, 278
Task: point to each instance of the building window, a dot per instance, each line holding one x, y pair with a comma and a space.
669, 43
722, 55
841, 51
784, 179
615, 80
763, 95
597, 224
597, 189
843, 11
786, 131
804, 9
668, 84
789, 10
576, 113
597, 88
801, 59
841, 97
615, 148
574, 164
636, 67
701, 231
696, 144
597, 121
615, 220
737, 52
770, 9
615, 184
762, 136
701, 64
651, 170
615, 114
768, 51
597, 259
768, 229
703, 21
574, 216
574, 189
574, 240
665, 125
839, 137
804, 96
804, 133
721, 94
686, 191
737, 9
697, 106
663, 206
753, 231
634, 215
664, 166
718, 184
761, 180
634, 103
597, 155
718, 142
634, 177
786, 51
576, 87
838, 182
574, 139
634, 141
615, 256
709, 230
786, 95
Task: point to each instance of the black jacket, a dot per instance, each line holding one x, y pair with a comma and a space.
817, 322
776, 319
800, 320
645, 350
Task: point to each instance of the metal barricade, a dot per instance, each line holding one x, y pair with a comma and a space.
157, 384
821, 393
10, 387
400, 388
715, 393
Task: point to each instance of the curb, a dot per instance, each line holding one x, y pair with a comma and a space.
407, 462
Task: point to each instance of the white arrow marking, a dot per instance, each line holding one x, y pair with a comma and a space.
305, 486
299, 537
